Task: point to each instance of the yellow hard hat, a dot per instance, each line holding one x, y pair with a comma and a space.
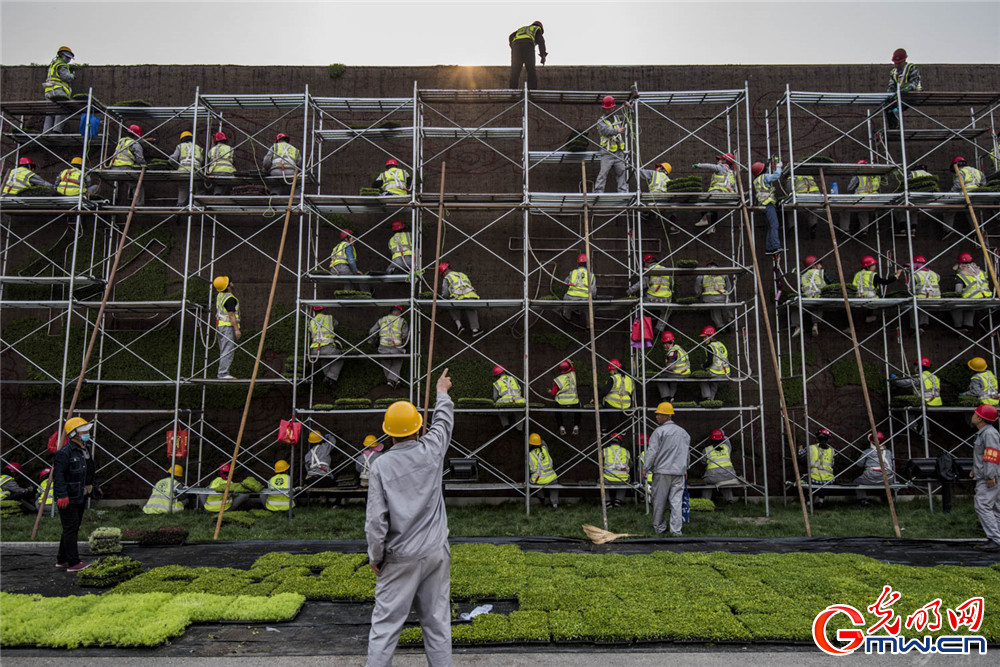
185, 134
221, 283
315, 437
370, 441
73, 424
666, 167
534, 439
281, 466
977, 364
177, 470
67, 50
401, 420
77, 161
665, 408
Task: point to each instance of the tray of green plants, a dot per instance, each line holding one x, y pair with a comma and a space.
9, 508
109, 571
105, 540
471, 402
235, 518
922, 184
910, 401
712, 404
253, 484
702, 505
685, 184
370, 192
687, 263
352, 294
352, 404
382, 403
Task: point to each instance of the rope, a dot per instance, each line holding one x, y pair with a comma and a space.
434, 298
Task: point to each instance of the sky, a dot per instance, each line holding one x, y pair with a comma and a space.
249, 32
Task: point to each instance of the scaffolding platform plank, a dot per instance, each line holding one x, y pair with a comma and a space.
956, 303
328, 277
151, 175
271, 380
938, 134
543, 200
465, 304
221, 203
501, 199
844, 200
50, 280
469, 132
708, 199
838, 302
599, 304
355, 204
47, 107
137, 306
486, 95
48, 139
949, 98
374, 133
843, 169
697, 271
160, 113
953, 198
344, 303
14, 203
562, 157
362, 104
678, 97
483, 486
255, 102
837, 99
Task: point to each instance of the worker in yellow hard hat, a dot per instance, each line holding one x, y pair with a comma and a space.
405, 492
58, 86
227, 319
983, 384
163, 499
187, 157
657, 177
318, 460
72, 484
278, 498
667, 457
371, 449
72, 180
541, 469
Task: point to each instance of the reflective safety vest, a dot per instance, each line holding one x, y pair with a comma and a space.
49, 499
931, 388
220, 159
390, 331
973, 178
658, 181
723, 182
820, 463
620, 396
765, 192
191, 156
339, 254
69, 182
717, 456
4, 479
868, 185
642, 464
615, 142
926, 284
720, 358
214, 502
18, 179
278, 502
566, 393
527, 32
55, 83
661, 285
682, 364
394, 181
616, 464
221, 316
975, 287
918, 173
579, 283
713, 285
162, 499
508, 391
284, 155
123, 153
991, 392
805, 184
321, 331
459, 286
813, 281
864, 284
902, 79
400, 246
540, 465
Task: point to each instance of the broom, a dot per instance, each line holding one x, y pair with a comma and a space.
599, 536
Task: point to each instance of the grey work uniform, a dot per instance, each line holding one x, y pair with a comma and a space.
722, 477
227, 338
720, 316
873, 469
667, 458
390, 367
608, 126
407, 531
987, 501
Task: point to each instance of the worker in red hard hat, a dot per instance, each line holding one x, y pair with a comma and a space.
394, 180
579, 284
986, 473
457, 286
723, 181
676, 366
719, 469
617, 391
220, 164
564, 390
522, 53
860, 184
612, 128
11, 490
129, 156
925, 384
344, 260
819, 459
903, 75
716, 363
324, 348
400, 249
971, 282
507, 394
22, 177
617, 466
867, 281
926, 284
715, 288
393, 333
764, 190
973, 179
238, 494
659, 287
58, 86
812, 280
875, 460
281, 162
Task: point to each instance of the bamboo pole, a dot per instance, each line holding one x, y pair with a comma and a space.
256, 361
434, 297
979, 232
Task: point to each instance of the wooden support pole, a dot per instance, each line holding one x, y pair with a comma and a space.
434, 297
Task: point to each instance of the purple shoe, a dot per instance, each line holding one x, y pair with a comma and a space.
78, 567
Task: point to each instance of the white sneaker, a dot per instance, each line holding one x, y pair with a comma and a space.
702, 223
227, 376
576, 430
815, 330
562, 430
796, 332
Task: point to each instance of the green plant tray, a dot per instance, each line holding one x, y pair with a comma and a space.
352, 294
712, 404
352, 403
687, 263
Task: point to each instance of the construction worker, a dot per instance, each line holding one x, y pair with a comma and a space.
407, 530
187, 157
45, 489
723, 180
318, 459
903, 75
237, 495
220, 163
657, 177
394, 180
522, 53
10, 490
973, 179
763, 186
579, 283
57, 86
541, 470
874, 464
983, 384
819, 458
456, 285
506, 394
926, 285
676, 365
667, 458
128, 156
811, 283
227, 323
371, 449
986, 472
716, 363
715, 289
324, 345
612, 127
393, 332
719, 466
659, 287
564, 389
616, 470
282, 483
866, 283
72, 484
163, 498
401, 249
72, 180
971, 283
282, 160
860, 184
343, 259
924, 383
22, 177
617, 392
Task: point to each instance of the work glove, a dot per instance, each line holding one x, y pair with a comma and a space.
98, 493
63, 503
694, 166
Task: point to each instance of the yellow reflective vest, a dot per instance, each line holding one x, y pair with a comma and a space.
527, 32
390, 331
321, 331
713, 285
163, 498
284, 155
459, 286
339, 254
192, 156
400, 246
393, 181
864, 284
718, 456
221, 316
720, 358
813, 281
566, 392
214, 502
540, 465
579, 283
123, 153
658, 181
614, 142
616, 464
805, 185
682, 364
278, 502
765, 192
18, 180
220, 159
820, 463
931, 388
49, 499
975, 287
926, 284
991, 392
620, 396
723, 182
508, 391
868, 185
661, 286
973, 178
55, 83
69, 182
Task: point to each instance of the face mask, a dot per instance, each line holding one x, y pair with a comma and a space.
85, 437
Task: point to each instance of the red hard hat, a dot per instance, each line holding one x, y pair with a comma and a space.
728, 157
399, 308
867, 261
608, 102
539, 24
225, 468
344, 233
964, 258
135, 129
391, 162
565, 366
957, 160
281, 135
643, 439
497, 370
708, 331
220, 136
757, 168
398, 226
810, 260
581, 258
44, 473
316, 309
615, 436
862, 161
667, 337
899, 55
987, 412
647, 259
443, 269
25, 162
925, 362
614, 364
711, 262
13, 465
919, 259
823, 433
881, 437
717, 434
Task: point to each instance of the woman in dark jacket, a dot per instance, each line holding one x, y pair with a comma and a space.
72, 482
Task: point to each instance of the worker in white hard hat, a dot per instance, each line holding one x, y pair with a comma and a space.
612, 127
667, 457
227, 320
58, 86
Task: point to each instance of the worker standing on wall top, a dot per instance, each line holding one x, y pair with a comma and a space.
716, 363
612, 128
719, 468
763, 186
323, 345
401, 249
986, 472
715, 289
874, 464
72, 483
903, 75
860, 184
23, 176
227, 322
393, 332
522, 53
723, 181
57, 86
564, 389
343, 260
394, 180
926, 386
812, 281
973, 179
617, 464
11, 490
866, 283
926, 285
220, 163
676, 365
659, 286
579, 284
541, 469
657, 177
457, 286
128, 156
282, 484
407, 531
506, 394
72, 180
282, 160
187, 157
971, 283
163, 498
667, 458
617, 391
371, 449
983, 384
